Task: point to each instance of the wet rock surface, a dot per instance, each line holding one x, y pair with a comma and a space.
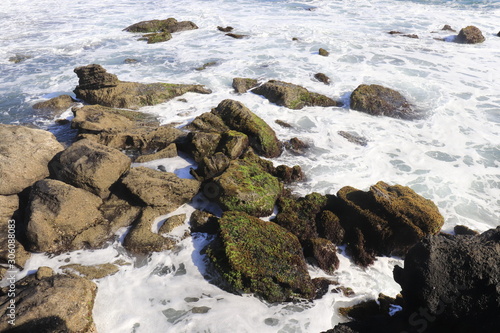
470, 35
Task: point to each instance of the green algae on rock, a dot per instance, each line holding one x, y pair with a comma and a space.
260, 257
245, 186
96, 86
292, 96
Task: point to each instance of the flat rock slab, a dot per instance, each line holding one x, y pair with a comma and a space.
24, 157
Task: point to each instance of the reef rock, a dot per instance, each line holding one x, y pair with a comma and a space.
61, 217
54, 303
91, 166
381, 101
24, 158
171, 25
386, 220
96, 86
470, 35
260, 257
242, 85
292, 96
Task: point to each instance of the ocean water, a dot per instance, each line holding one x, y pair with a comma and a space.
451, 156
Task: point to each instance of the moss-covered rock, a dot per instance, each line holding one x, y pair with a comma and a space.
245, 186
470, 35
324, 254
377, 100
329, 227
292, 96
261, 136
157, 37
242, 85
391, 218
169, 25
96, 86
260, 257
298, 215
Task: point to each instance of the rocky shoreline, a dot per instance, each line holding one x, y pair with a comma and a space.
77, 197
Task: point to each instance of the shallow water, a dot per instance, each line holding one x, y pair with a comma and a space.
452, 156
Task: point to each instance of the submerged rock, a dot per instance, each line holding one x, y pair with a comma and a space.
292, 96
321, 77
381, 101
260, 257
323, 52
470, 35
96, 86
386, 220
242, 85
226, 29
55, 303
91, 166
91, 272
447, 27
25, 157
61, 217
170, 25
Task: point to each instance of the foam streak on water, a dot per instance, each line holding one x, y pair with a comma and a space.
451, 157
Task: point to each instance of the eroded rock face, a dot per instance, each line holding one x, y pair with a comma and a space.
239, 118
245, 186
96, 86
470, 35
381, 101
91, 166
54, 303
455, 278
24, 158
61, 217
292, 96
260, 257
386, 220
160, 189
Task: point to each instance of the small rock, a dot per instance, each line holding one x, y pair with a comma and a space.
296, 146
226, 29
323, 253
353, 138
157, 37
91, 272
447, 27
206, 65
470, 35
130, 61
463, 230
171, 223
322, 78
283, 123
20, 58
323, 52
44, 272
202, 221
289, 174
242, 85
170, 25
168, 152
236, 36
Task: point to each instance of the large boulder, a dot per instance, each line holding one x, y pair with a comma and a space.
292, 96
24, 158
91, 166
61, 217
54, 303
455, 280
97, 118
56, 105
160, 189
470, 35
245, 186
12, 251
96, 86
141, 240
239, 118
386, 220
170, 25
260, 257
377, 100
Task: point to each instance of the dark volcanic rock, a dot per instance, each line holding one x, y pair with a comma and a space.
24, 158
470, 35
96, 86
55, 303
455, 280
378, 100
292, 96
242, 85
387, 220
260, 257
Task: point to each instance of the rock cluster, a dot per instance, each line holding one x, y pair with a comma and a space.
160, 30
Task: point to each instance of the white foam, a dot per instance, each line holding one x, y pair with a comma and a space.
451, 157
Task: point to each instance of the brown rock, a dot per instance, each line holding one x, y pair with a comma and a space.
202, 144
323, 52
236, 36
56, 105
119, 212
226, 29
470, 35
233, 144
171, 25
447, 27
202, 221
63, 218
160, 189
208, 122
242, 85
91, 166
168, 152
322, 78
171, 223
57, 303
91, 272
10, 226
24, 158
210, 167
324, 254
